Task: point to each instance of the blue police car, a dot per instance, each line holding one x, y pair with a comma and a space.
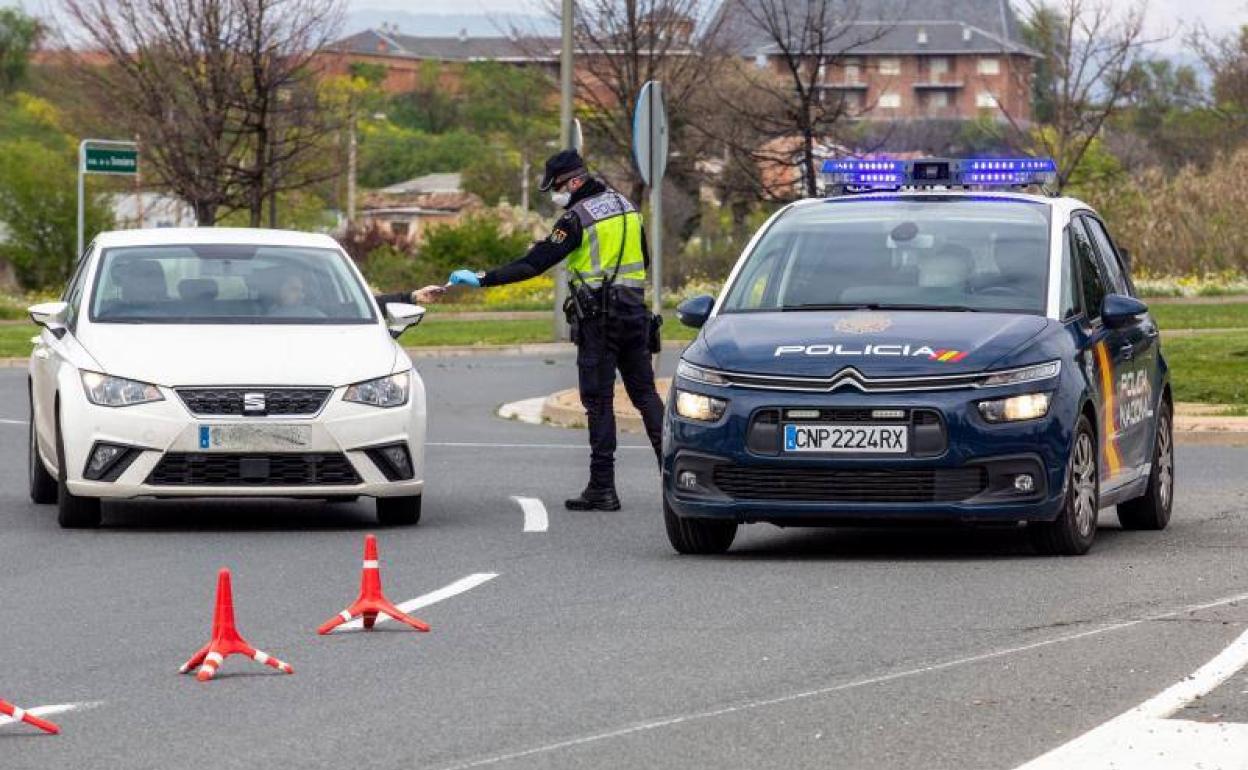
930, 343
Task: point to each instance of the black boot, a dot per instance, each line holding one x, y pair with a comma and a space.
594, 499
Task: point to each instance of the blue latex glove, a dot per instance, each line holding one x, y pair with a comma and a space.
465, 278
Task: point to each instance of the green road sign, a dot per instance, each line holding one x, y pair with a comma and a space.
110, 160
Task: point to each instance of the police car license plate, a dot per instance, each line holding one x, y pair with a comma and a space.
249, 437
848, 439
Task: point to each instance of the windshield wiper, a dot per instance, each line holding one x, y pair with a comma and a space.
882, 306
832, 306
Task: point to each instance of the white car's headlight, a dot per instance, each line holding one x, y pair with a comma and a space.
695, 406
106, 390
698, 374
383, 391
1025, 374
1028, 406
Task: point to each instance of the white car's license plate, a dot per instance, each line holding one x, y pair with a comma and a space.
860, 439
250, 437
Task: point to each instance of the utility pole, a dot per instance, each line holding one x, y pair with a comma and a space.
565, 141
351, 161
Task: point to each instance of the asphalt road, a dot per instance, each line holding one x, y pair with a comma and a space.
595, 645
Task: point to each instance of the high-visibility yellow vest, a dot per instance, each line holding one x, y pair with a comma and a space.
611, 235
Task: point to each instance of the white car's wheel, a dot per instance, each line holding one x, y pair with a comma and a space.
72, 511
398, 511
42, 483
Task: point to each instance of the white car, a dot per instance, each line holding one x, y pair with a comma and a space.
220, 362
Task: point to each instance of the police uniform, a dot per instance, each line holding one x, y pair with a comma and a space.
601, 238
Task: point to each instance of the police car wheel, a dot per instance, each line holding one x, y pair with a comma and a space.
72, 511
398, 511
1074, 529
42, 483
698, 536
1152, 509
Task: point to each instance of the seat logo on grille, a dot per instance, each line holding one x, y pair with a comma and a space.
253, 403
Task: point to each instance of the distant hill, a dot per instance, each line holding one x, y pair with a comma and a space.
445, 24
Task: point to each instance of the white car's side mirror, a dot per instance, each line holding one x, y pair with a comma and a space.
401, 316
51, 316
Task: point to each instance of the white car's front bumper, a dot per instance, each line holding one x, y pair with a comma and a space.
168, 427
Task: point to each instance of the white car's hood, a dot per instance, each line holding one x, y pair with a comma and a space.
192, 354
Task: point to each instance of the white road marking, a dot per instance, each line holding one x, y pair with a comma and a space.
1145, 738
48, 711
487, 445
5, 421
433, 597
642, 727
535, 518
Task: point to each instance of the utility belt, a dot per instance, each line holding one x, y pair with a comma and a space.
588, 302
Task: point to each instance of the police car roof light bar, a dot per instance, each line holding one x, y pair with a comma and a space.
847, 176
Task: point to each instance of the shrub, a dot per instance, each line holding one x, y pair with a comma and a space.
391, 269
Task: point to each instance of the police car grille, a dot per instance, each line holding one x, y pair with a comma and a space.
253, 470
923, 485
277, 401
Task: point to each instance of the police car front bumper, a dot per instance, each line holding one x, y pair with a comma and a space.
958, 467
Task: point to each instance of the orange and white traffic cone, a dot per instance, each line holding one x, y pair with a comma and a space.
18, 714
226, 640
371, 601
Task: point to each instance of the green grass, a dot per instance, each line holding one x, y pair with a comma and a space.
15, 339
1209, 368
1179, 316
435, 330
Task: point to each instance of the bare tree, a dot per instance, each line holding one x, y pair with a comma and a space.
173, 69
783, 103
1225, 56
280, 111
621, 44
1089, 55
222, 91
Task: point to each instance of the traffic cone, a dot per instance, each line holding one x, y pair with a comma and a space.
22, 715
371, 601
226, 640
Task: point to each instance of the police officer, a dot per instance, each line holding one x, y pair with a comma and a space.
602, 239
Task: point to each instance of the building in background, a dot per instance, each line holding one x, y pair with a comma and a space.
405, 210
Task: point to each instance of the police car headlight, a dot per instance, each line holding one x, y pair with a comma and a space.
698, 374
695, 406
1028, 406
383, 391
1025, 374
106, 390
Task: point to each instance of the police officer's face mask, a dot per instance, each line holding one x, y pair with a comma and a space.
560, 198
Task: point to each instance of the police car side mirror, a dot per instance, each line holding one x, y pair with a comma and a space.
1120, 310
401, 316
51, 316
694, 311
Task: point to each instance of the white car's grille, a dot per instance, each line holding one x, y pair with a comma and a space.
253, 402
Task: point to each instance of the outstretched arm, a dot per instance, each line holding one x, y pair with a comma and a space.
545, 254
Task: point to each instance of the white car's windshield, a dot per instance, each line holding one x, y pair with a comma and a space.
922, 253
244, 284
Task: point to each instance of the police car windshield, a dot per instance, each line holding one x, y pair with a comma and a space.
227, 284
946, 254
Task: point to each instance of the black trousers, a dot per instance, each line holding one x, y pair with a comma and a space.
617, 341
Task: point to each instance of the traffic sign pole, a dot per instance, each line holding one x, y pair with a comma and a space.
650, 148
102, 156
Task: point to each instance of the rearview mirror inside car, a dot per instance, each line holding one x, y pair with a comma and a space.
1119, 309
401, 316
51, 316
694, 311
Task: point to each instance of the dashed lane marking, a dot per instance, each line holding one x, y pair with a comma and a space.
535, 518
489, 445
454, 589
752, 705
5, 421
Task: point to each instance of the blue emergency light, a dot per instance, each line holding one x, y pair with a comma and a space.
851, 175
